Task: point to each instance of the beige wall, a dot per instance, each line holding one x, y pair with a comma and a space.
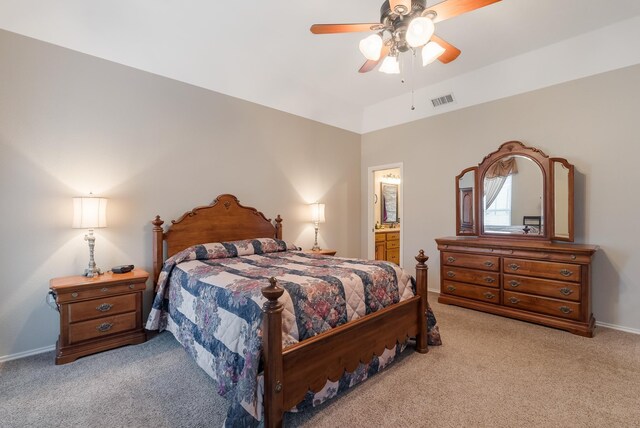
71, 123
593, 122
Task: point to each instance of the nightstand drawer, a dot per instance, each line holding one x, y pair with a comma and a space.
100, 327
98, 308
82, 293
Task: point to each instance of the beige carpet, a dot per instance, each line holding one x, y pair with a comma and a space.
496, 372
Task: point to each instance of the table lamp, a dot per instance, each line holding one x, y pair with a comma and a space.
317, 217
90, 213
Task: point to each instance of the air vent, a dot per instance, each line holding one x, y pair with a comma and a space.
440, 101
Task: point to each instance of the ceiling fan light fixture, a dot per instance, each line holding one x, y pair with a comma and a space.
430, 52
419, 31
371, 47
390, 65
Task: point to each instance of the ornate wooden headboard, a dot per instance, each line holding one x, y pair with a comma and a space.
222, 221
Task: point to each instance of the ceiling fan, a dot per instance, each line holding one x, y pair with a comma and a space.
405, 25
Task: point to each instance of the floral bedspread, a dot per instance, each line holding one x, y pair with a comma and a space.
209, 296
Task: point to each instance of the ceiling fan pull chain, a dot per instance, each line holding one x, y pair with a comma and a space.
413, 57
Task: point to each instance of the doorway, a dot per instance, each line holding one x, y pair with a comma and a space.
384, 213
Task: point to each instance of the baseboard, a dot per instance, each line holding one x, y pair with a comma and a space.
27, 353
617, 327
598, 323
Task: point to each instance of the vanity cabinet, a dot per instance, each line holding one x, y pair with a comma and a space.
503, 263
388, 246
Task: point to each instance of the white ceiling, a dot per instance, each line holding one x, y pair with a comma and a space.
262, 51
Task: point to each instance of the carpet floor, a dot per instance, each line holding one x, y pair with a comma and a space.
490, 372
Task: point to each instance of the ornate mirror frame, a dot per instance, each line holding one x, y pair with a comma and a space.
557, 195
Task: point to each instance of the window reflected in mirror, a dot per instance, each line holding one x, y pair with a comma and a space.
466, 211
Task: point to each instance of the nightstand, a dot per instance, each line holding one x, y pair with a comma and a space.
323, 252
98, 313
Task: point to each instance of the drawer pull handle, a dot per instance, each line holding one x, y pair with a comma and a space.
131, 286
514, 283
451, 288
514, 300
489, 295
105, 326
565, 291
565, 309
514, 266
104, 307
451, 259
488, 263
566, 272
451, 274
74, 295
489, 280
104, 290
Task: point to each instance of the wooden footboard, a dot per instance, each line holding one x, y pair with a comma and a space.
289, 373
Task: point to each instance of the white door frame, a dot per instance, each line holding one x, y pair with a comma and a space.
371, 215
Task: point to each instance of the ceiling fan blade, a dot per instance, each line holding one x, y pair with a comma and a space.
405, 4
343, 28
450, 8
451, 52
370, 64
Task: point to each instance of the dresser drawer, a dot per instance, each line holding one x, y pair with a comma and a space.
474, 261
106, 306
542, 287
551, 270
479, 277
393, 244
543, 305
475, 292
83, 293
394, 255
100, 327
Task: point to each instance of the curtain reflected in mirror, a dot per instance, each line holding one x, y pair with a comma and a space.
389, 205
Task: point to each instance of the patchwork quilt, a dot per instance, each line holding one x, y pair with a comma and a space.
209, 296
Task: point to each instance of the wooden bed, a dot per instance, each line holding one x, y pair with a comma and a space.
290, 372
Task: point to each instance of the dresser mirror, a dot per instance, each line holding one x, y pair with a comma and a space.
521, 193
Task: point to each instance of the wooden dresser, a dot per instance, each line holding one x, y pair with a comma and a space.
543, 282
98, 313
388, 246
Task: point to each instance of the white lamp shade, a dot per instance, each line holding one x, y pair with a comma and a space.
317, 213
419, 32
430, 52
89, 213
390, 65
371, 47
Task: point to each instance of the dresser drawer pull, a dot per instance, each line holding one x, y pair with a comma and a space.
451, 288
514, 300
489, 295
104, 290
131, 286
488, 264
105, 326
489, 280
514, 266
565, 309
74, 295
451, 259
566, 272
451, 274
565, 291
104, 307
514, 283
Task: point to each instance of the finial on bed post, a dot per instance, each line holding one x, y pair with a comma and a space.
272, 352
278, 227
158, 233
422, 271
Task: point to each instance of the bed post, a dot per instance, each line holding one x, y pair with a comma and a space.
421, 289
278, 227
158, 233
272, 352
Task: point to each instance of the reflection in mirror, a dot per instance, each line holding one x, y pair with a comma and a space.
513, 197
561, 201
389, 205
466, 184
